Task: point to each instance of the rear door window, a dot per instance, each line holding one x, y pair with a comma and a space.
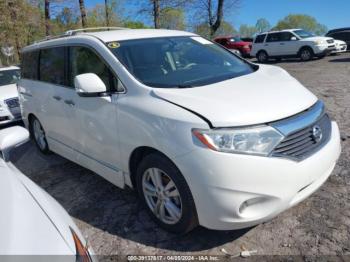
52, 65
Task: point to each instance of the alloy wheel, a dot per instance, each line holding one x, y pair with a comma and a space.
162, 196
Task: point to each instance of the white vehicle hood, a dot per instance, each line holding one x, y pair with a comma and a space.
25, 228
269, 94
316, 38
339, 42
8, 91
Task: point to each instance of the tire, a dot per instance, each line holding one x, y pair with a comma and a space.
173, 209
262, 57
38, 134
306, 54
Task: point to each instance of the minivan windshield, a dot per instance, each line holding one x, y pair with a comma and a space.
303, 33
8, 77
178, 62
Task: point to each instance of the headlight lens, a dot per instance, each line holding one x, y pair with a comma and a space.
259, 140
318, 42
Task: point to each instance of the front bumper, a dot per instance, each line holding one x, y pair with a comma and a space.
340, 49
9, 115
233, 191
321, 50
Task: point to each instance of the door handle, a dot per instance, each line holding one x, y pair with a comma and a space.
69, 102
58, 98
266, 44
281, 43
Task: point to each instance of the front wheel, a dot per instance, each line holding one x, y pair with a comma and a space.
306, 54
166, 195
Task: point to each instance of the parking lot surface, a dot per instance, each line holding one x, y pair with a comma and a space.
114, 222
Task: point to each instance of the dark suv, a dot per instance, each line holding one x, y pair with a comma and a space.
341, 34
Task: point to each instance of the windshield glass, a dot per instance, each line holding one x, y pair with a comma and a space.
8, 77
181, 62
303, 33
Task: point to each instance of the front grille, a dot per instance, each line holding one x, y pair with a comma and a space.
303, 143
330, 41
12, 102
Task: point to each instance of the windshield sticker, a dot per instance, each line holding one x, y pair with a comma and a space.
201, 40
113, 45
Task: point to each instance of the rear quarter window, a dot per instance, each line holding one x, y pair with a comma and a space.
259, 39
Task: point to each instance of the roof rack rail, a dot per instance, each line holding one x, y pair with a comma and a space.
76, 31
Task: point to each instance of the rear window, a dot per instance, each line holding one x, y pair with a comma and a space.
29, 65
260, 39
52, 65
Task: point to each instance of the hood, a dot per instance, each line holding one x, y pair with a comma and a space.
8, 91
267, 95
317, 38
25, 228
339, 42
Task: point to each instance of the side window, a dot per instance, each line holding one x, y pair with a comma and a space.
84, 60
260, 39
286, 36
52, 65
29, 65
274, 37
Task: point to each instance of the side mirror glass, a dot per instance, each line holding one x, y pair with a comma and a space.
293, 38
89, 84
10, 138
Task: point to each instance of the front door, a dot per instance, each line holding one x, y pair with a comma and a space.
96, 117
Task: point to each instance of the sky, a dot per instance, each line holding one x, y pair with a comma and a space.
333, 14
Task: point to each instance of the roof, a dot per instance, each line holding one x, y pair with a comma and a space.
9, 68
277, 31
128, 34
339, 29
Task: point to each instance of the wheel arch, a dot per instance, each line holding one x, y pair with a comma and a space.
305, 47
136, 157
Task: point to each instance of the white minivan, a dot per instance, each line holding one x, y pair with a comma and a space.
206, 137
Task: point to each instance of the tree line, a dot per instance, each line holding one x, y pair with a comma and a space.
24, 21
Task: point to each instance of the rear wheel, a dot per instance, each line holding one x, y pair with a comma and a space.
306, 54
39, 135
262, 56
166, 195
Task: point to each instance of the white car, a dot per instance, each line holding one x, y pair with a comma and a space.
204, 136
31, 221
340, 47
290, 43
9, 105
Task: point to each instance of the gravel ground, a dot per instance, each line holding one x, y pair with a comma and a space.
115, 224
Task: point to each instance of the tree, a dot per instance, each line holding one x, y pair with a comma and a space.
83, 13
134, 24
305, 22
225, 28
247, 31
107, 11
47, 17
262, 25
156, 13
172, 18
212, 12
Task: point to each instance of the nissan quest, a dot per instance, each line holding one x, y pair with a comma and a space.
205, 137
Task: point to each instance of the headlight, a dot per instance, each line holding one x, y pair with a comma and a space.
246, 46
318, 42
260, 140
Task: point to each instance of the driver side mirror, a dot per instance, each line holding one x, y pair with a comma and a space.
293, 38
11, 138
89, 84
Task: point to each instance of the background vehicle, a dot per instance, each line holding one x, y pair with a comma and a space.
340, 47
203, 135
235, 43
31, 221
290, 43
9, 105
341, 34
